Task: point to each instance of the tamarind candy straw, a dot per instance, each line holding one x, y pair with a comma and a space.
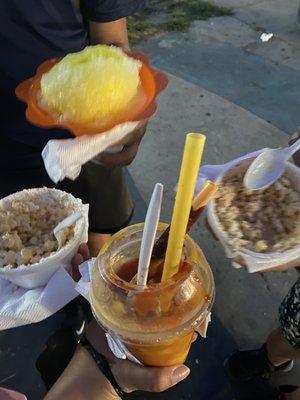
207, 192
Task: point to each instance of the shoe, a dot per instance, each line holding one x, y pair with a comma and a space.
287, 388
248, 364
283, 390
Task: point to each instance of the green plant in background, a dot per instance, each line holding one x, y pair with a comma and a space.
171, 15
137, 27
178, 21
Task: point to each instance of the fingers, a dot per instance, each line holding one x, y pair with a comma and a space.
127, 155
82, 255
195, 337
76, 261
133, 377
84, 251
137, 135
161, 379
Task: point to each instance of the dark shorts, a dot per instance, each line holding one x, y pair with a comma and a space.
289, 316
105, 190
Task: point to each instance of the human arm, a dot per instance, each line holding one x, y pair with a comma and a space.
131, 376
83, 380
113, 33
107, 20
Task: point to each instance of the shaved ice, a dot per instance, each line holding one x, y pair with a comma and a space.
97, 85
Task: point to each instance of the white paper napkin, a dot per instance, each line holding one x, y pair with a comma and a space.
202, 329
64, 158
115, 345
20, 306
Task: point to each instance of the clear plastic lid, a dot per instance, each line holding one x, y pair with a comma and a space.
162, 309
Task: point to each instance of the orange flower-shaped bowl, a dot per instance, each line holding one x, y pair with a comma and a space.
152, 81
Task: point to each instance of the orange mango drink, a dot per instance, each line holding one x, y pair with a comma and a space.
155, 324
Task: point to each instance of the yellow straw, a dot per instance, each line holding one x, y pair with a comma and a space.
191, 159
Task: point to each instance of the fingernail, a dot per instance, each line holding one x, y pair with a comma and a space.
180, 373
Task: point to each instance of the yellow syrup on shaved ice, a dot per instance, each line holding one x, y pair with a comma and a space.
97, 85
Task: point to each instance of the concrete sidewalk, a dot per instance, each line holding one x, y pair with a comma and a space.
244, 95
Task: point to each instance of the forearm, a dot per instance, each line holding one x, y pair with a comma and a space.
96, 336
109, 33
82, 380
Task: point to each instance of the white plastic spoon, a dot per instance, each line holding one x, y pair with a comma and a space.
149, 233
268, 167
68, 221
213, 172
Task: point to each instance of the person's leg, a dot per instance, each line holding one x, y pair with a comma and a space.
282, 347
279, 350
294, 395
96, 241
110, 204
